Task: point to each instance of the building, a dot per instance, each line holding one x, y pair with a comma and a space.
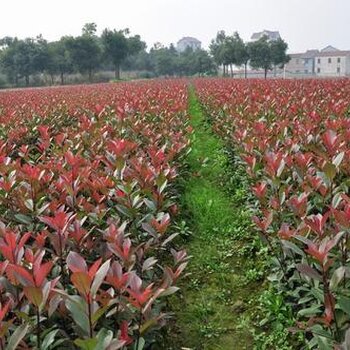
328, 62
188, 42
332, 62
271, 35
302, 63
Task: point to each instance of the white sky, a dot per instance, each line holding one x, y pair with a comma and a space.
302, 23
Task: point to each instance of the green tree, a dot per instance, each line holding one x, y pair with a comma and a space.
260, 55
89, 29
22, 58
220, 50
8, 59
203, 63
59, 59
240, 52
117, 46
84, 51
278, 53
165, 60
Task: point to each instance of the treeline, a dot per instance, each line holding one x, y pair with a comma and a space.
23, 61
229, 51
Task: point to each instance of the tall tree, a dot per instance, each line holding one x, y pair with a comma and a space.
8, 59
84, 51
260, 54
203, 63
241, 52
218, 49
59, 59
165, 60
117, 46
278, 53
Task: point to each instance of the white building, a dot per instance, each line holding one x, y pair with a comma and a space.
271, 35
188, 42
331, 62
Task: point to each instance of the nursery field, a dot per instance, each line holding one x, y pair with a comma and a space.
176, 214
294, 139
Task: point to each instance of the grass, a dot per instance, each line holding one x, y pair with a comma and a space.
218, 298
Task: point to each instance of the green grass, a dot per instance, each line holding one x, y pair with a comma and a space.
217, 298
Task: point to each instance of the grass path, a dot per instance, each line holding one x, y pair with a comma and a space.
217, 297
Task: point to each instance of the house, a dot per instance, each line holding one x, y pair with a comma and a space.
331, 62
328, 62
271, 35
302, 63
188, 42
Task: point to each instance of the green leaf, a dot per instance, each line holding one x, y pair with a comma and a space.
281, 168
49, 339
29, 204
292, 246
100, 312
337, 277
141, 344
310, 311
23, 219
330, 170
336, 200
150, 204
99, 277
169, 291
17, 337
104, 337
323, 343
78, 308
344, 304
338, 159
87, 344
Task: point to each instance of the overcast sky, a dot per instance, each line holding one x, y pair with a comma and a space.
302, 23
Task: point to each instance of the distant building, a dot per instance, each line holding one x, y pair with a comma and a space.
328, 62
329, 48
302, 63
271, 35
332, 62
188, 42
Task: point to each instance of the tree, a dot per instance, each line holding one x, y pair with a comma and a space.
260, 54
117, 47
220, 50
84, 51
22, 58
59, 59
89, 29
8, 59
165, 60
135, 45
203, 63
241, 52
278, 53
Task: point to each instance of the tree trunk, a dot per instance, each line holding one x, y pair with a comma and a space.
231, 70
117, 72
245, 70
62, 78
52, 79
265, 73
27, 80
